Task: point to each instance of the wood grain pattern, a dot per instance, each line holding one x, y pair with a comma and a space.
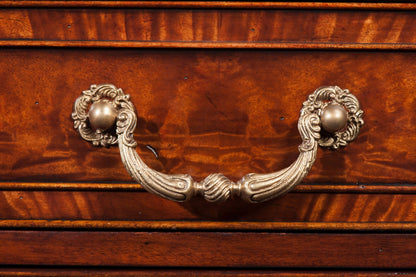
226, 111
397, 188
206, 45
145, 210
229, 226
206, 104
207, 28
202, 249
355, 5
57, 272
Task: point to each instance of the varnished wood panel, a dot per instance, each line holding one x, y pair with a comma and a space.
355, 5
146, 209
208, 28
205, 45
57, 272
232, 226
205, 111
208, 249
396, 188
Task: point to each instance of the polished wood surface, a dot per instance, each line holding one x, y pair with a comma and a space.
233, 112
218, 86
400, 188
355, 5
88, 271
208, 249
144, 207
210, 28
160, 226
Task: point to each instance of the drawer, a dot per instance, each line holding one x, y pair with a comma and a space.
217, 87
204, 111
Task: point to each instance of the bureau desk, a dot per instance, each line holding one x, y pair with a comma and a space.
217, 87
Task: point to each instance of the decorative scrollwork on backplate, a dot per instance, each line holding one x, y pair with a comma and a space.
80, 113
324, 96
216, 187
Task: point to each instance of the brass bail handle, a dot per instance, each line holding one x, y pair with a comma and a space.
330, 117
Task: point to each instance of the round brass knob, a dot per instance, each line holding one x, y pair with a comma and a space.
102, 115
334, 118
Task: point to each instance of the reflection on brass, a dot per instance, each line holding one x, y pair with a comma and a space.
334, 118
102, 115
335, 110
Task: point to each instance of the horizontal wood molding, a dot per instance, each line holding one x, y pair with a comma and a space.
172, 272
142, 210
394, 5
208, 249
301, 188
209, 225
208, 29
207, 45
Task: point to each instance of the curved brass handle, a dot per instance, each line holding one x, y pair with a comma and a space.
335, 110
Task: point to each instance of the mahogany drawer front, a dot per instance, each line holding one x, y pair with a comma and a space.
218, 87
205, 111
296, 211
210, 24
214, 249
